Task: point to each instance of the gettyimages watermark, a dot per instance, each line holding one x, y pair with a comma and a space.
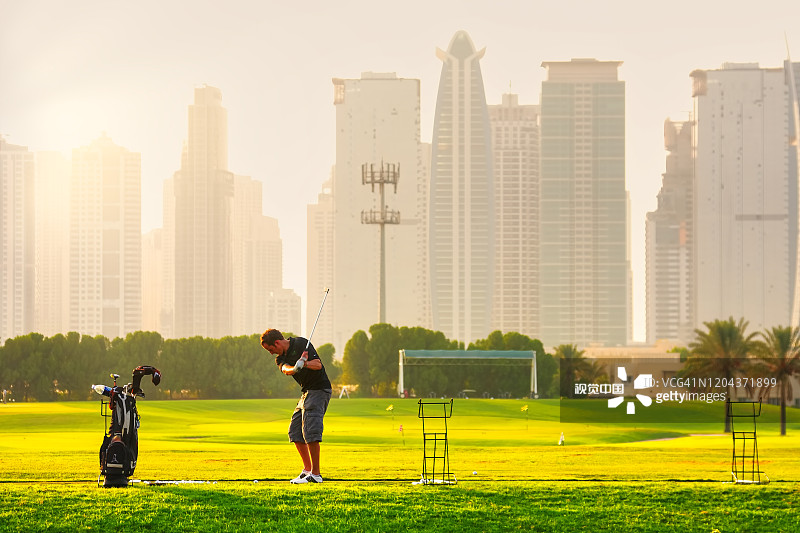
625, 390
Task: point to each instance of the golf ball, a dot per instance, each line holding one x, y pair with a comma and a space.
475, 473
255, 481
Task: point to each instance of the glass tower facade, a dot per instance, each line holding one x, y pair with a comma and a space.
584, 256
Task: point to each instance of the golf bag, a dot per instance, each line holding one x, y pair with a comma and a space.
120, 449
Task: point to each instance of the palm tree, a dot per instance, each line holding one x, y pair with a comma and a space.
721, 352
780, 354
571, 366
596, 372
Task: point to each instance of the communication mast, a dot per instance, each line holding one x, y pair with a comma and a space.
387, 174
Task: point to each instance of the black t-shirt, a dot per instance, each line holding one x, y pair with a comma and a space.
307, 378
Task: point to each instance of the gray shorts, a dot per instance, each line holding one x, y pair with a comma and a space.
306, 424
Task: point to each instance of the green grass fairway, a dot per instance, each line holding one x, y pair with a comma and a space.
393, 506
624, 477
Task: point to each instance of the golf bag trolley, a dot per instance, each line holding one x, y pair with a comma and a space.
120, 449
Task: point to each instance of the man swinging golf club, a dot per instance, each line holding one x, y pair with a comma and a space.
296, 357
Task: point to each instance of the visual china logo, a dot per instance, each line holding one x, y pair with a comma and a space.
642, 381
639, 384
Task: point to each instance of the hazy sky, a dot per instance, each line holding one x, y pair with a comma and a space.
71, 70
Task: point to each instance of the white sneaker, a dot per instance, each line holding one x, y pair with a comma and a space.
301, 478
313, 478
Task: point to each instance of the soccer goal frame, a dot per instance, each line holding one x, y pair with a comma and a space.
460, 357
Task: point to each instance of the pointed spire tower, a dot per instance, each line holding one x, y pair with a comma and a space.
461, 197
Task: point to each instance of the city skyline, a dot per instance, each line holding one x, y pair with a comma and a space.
69, 76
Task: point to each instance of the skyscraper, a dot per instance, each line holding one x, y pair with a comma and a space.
319, 260
203, 199
423, 235
461, 216
167, 309
257, 260
377, 125
105, 240
742, 189
584, 258
515, 141
152, 280
282, 312
17, 243
52, 242
793, 110
669, 243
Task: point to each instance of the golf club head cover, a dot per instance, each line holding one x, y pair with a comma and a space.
141, 371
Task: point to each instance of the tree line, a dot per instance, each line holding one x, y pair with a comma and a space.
64, 367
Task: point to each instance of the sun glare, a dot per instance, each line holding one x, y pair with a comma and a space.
73, 123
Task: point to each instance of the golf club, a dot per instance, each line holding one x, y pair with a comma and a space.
317, 320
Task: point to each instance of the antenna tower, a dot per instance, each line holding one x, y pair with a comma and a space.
386, 174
